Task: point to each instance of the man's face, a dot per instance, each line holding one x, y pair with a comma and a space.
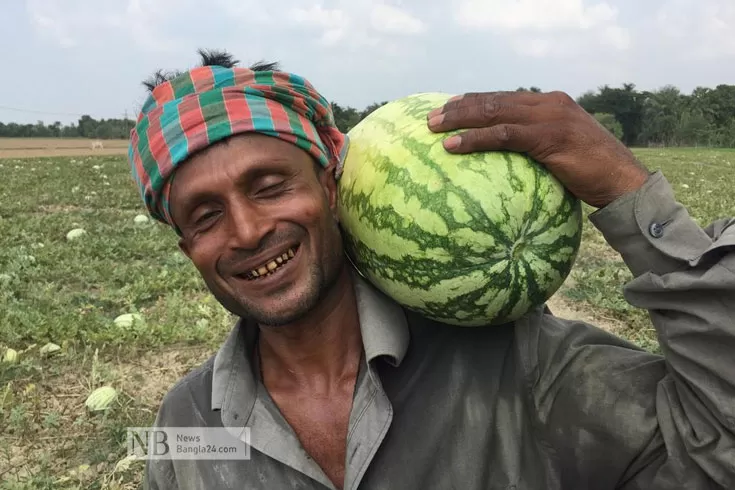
259, 222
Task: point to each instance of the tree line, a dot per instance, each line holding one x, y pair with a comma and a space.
85, 127
666, 117
663, 117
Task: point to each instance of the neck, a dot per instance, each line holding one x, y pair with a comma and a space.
320, 351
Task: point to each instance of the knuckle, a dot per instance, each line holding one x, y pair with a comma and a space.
460, 114
561, 98
470, 140
468, 98
489, 109
502, 133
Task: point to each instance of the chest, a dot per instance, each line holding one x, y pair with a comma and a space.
321, 424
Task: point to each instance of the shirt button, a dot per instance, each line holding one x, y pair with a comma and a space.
656, 230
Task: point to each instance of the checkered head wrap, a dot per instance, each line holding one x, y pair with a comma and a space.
210, 103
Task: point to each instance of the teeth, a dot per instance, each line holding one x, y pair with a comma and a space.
271, 266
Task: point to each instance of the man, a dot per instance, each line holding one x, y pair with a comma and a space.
342, 388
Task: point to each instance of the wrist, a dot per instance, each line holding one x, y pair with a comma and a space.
631, 182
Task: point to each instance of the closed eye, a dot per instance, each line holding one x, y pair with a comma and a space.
204, 217
271, 190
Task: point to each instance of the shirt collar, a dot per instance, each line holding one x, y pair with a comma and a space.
383, 327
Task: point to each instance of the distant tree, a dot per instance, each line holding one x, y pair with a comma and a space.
71, 131
55, 129
39, 130
87, 126
103, 131
588, 101
371, 108
625, 103
609, 122
694, 129
345, 118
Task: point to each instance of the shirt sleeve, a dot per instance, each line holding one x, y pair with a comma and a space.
615, 416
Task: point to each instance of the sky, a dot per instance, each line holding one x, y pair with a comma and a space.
61, 59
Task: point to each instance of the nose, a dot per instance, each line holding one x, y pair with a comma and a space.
246, 226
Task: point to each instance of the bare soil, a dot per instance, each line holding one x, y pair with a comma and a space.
58, 147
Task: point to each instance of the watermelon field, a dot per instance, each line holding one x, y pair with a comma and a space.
67, 290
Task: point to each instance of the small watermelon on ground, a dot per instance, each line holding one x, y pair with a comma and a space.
467, 240
11, 356
49, 349
101, 399
76, 233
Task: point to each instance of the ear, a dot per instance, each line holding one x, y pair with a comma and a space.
328, 182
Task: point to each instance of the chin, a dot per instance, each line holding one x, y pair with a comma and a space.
283, 311
291, 305
288, 303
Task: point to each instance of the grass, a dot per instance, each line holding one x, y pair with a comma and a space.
69, 293
701, 179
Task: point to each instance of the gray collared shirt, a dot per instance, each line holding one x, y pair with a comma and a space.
543, 403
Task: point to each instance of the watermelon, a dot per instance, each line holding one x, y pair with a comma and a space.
467, 240
101, 399
11, 356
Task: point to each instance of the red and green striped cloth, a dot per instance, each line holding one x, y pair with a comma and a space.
210, 103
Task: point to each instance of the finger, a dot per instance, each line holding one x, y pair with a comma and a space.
484, 113
475, 98
508, 137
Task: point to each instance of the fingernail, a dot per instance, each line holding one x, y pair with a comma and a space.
456, 97
436, 120
452, 142
435, 112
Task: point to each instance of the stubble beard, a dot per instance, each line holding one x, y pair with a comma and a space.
320, 281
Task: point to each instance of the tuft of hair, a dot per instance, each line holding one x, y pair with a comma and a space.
265, 66
159, 77
214, 57
208, 57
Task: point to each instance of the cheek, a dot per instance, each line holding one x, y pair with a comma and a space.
204, 257
312, 208
313, 212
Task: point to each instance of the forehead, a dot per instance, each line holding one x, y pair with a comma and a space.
240, 155
244, 151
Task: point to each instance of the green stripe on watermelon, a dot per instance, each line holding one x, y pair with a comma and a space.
464, 239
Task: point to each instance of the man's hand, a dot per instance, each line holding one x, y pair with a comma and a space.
552, 129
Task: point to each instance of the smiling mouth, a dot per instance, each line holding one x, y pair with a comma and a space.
270, 267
